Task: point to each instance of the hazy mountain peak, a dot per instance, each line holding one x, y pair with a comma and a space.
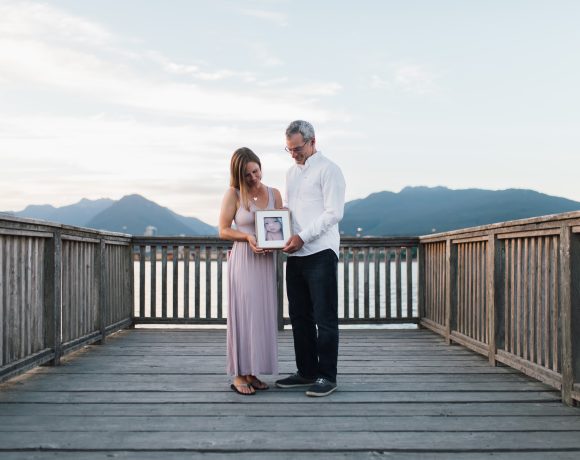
419, 210
131, 214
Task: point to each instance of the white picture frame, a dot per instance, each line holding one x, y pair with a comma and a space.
273, 228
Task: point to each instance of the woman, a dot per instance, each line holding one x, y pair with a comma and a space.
251, 346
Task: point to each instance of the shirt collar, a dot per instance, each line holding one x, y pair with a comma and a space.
312, 159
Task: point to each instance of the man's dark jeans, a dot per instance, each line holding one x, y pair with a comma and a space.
311, 284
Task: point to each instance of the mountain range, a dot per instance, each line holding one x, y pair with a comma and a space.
131, 214
412, 211
424, 210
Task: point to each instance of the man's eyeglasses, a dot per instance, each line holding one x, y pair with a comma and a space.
297, 149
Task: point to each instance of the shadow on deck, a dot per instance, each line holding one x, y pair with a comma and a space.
163, 393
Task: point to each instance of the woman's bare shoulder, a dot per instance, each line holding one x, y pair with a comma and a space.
231, 192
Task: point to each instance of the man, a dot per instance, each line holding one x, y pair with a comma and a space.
315, 196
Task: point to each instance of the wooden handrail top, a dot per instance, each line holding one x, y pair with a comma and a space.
393, 242
512, 226
11, 224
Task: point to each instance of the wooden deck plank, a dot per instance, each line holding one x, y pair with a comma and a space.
345, 395
164, 393
293, 409
254, 441
276, 424
76, 383
350, 455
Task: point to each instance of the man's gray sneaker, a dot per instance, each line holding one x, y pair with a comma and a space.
321, 387
294, 380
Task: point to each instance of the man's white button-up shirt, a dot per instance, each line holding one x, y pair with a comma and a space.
315, 197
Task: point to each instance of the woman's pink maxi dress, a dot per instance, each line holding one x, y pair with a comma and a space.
252, 346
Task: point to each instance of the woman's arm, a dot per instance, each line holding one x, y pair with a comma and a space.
277, 199
227, 214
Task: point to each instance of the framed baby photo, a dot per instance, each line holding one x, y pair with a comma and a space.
273, 228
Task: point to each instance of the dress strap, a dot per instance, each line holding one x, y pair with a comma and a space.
271, 200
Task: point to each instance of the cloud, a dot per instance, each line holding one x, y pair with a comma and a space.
280, 19
196, 71
26, 20
107, 119
415, 79
100, 74
409, 78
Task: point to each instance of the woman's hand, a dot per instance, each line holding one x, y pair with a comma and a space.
254, 246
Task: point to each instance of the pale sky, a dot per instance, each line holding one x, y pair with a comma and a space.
104, 98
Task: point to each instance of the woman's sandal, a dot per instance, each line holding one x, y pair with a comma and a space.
234, 387
257, 384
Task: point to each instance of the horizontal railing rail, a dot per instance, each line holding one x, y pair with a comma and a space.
510, 291
181, 280
61, 287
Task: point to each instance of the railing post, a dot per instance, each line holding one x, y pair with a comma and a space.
421, 281
494, 296
131, 284
102, 292
450, 288
280, 288
53, 297
570, 314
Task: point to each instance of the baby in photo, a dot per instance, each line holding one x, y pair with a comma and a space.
273, 227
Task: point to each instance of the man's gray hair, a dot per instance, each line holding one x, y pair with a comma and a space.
302, 127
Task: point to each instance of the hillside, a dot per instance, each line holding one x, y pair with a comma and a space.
423, 210
133, 213
75, 214
412, 211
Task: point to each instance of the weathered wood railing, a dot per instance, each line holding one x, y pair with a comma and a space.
186, 284
60, 287
510, 291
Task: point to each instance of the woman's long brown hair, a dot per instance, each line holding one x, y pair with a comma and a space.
240, 160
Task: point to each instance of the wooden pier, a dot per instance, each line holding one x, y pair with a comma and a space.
489, 351
404, 394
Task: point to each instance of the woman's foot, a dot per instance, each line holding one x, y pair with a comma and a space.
241, 386
256, 383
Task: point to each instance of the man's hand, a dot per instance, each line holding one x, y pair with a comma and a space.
294, 244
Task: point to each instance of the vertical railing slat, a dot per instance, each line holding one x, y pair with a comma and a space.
398, 281
175, 287
197, 281
164, 281
376, 263
387, 284
208, 281
533, 299
186, 257
355, 277
142, 281
219, 250
153, 287
409, 267
555, 316
366, 289
545, 304
346, 281
4, 305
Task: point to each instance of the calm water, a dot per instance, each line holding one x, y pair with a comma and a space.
213, 312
